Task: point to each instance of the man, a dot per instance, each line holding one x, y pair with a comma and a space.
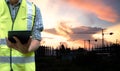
19, 15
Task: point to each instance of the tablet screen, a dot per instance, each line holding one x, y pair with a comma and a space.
23, 36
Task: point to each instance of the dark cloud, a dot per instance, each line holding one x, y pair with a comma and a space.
82, 33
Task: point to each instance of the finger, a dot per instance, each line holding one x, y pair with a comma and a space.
16, 39
9, 43
7, 40
30, 36
29, 41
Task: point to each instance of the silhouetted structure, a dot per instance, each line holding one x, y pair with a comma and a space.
98, 59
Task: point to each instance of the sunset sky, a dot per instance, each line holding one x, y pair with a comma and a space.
70, 22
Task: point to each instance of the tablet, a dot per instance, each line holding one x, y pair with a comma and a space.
23, 36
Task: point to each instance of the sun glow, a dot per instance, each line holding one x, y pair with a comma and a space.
107, 37
52, 40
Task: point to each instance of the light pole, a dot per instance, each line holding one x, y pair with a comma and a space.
89, 43
103, 36
84, 44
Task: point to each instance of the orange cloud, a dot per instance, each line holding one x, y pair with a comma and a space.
98, 7
63, 29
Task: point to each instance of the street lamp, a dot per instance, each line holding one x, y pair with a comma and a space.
89, 43
111, 33
85, 44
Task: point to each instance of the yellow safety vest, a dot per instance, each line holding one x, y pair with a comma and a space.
24, 21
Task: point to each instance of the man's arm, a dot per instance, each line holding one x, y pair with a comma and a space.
37, 29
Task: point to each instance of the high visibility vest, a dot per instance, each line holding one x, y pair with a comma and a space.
24, 21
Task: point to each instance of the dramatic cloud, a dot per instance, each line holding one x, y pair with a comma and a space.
74, 36
98, 7
78, 12
63, 29
66, 20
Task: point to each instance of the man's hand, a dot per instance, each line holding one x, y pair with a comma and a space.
23, 48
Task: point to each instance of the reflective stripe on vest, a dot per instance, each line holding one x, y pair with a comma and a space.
6, 59
2, 41
29, 15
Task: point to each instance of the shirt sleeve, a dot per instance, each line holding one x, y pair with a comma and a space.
38, 25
